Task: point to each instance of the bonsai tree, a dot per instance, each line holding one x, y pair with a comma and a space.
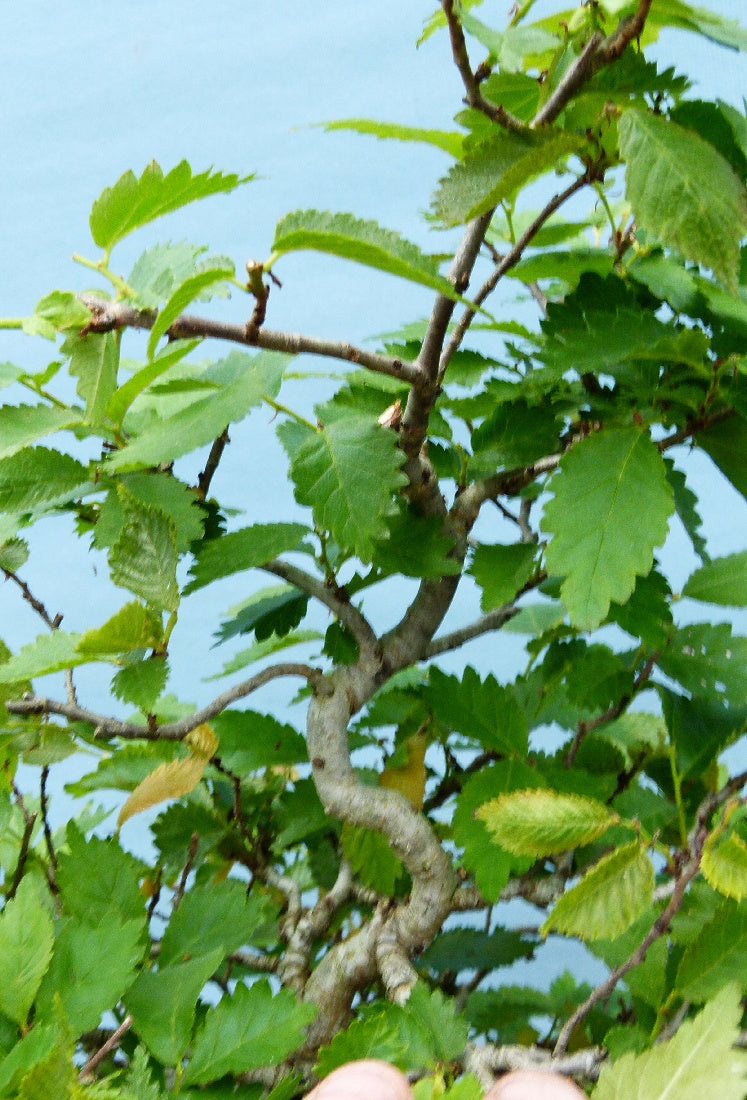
331, 882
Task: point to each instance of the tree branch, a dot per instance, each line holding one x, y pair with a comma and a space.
106, 315
170, 731
494, 620
487, 1061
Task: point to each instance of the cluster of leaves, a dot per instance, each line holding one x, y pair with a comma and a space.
625, 827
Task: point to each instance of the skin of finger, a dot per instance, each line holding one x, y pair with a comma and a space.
534, 1084
365, 1080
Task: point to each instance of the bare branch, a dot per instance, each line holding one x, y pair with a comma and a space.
211, 465
613, 712
350, 616
194, 844
111, 1043
169, 731
494, 620
38, 606
487, 1061
111, 315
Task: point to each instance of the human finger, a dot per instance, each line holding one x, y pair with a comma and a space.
368, 1079
534, 1084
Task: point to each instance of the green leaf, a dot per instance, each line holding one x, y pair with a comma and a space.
141, 683
484, 710
708, 661
21, 425
99, 880
26, 937
365, 242
160, 269
132, 627
709, 24
724, 866
514, 434
270, 645
141, 379
94, 360
496, 168
683, 192
347, 472
541, 822
274, 610
502, 572
685, 503
205, 418
49, 653
717, 957
63, 310
721, 581
437, 1015
184, 294
610, 509
701, 1060
249, 741
161, 490
133, 202
144, 557
726, 443
38, 476
244, 549
250, 1029
163, 1003
92, 966
372, 860
473, 949
417, 547
448, 140
209, 918
609, 897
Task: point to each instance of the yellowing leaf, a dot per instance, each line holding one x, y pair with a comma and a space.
171, 780
202, 740
409, 778
539, 823
724, 866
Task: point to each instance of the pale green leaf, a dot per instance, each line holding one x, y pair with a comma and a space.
609, 897
364, 242
184, 294
542, 822
163, 1004
243, 549
448, 140
159, 270
26, 937
129, 390
144, 557
94, 360
158, 489
63, 310
38, 476
721, 581
724, 866
494, 169
141, 683
609, 511
265, 648
132, 627
13, 554
502, 571
717, 956
133, 202
536, 619
347, 472
273, 610
250, 1029
683, 192
205, 418
701, 21
700, 1060
49, 653
508, 49
21, 425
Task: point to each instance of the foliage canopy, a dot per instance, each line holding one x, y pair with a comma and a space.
340, 893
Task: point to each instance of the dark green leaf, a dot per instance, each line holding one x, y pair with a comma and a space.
98, 879
37, 476
721, 581
144, 557
275, 610
249, 741
244, 549
483, 710
502, 571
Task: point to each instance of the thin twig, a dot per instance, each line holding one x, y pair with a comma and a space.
169, 731
38, 606
494, 620
44, 802
613, 712
194, 844
29, 820
112, 1042
211, 465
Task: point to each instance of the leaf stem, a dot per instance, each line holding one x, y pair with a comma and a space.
278, 407
677, 785
103, 269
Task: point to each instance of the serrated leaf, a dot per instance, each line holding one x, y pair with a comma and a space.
347, 472
473, 949
133, 202
609, 897
700, 1060
726, 444
709, 661
416, 546
250, 741
244, 549
502, 571
709, 24
132, 627
21, 425
494, 169
683, 192
171, 780
144, 557
484, 710
717, 956
49, 653
97, 878
190, 289
26, 938
124, 396
13, 554
63, 310
365, 242
141, 683
205, 418
38, 476
94, 360
270, 645
92, 966
541, 822
250, 1029
609, 511
160, 490
372, 859
274, 610
448, 140
210, 917
159, 269
685, 503
163, 1004
724, 866
720, 581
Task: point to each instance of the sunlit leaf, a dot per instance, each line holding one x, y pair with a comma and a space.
540, 823
609, 897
